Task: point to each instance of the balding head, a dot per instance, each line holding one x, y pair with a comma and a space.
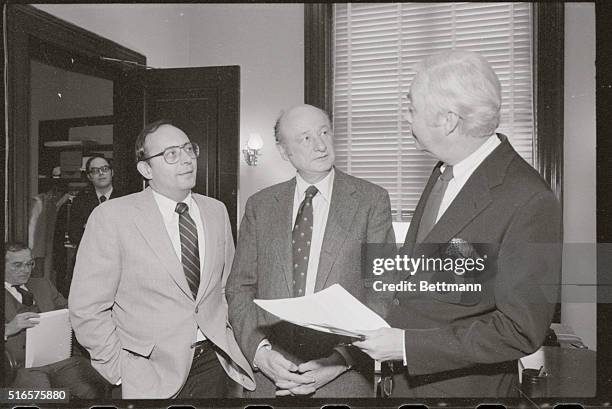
296, 110
305, 139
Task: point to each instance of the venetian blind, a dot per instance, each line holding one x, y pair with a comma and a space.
375, 49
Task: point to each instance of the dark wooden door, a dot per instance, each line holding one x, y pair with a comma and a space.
205, 104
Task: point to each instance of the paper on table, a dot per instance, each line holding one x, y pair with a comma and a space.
333, 310
50, 341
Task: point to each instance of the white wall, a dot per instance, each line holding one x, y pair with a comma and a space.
579, 172
159, 31
265, 40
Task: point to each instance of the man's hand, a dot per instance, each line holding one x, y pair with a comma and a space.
322, 370
383, 344
280, 370
21, 321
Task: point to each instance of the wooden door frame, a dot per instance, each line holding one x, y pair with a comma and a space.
25, 24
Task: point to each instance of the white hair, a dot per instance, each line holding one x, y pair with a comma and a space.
462, 82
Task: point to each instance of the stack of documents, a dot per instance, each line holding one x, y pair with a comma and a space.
333, 310
50, 341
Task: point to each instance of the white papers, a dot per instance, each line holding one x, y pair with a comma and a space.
50, 341
333, 310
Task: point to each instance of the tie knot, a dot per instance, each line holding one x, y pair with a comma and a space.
17, 286
181, 208
102, 199
447, 175
311, 191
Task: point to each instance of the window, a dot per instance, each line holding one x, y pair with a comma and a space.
375, 47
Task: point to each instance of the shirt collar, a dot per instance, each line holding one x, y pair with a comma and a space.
9, 286
467, 166
324, 186
107, 194
167, 206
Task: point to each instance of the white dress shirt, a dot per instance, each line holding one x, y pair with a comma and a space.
464, 169
461, 173
171, 221
320, 211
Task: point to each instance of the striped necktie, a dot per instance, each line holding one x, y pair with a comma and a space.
190, 254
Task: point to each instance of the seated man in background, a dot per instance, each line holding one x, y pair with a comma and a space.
100, 174
24, 299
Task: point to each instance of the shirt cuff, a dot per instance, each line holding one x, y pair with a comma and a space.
118, 382
404, 347
342, 350
263, 344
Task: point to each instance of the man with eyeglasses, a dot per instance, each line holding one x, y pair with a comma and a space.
24, 298
100, 174
147, 298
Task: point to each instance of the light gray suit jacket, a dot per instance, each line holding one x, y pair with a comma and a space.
130, 304
359, 213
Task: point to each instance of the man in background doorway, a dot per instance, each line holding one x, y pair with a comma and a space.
100, 173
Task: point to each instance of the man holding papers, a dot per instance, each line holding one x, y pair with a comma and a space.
24, 299
483, 201
296, 238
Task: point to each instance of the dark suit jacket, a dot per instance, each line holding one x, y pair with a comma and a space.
466, 345
82, 206
359, 213
46, 297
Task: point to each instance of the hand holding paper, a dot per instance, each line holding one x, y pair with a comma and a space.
384, 344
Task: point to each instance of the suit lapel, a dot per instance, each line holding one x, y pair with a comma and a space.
475, 195
10, 304
342, 210
280, 232
473, 198
209, 245
151, 225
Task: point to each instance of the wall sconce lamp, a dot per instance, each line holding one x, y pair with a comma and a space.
251, 150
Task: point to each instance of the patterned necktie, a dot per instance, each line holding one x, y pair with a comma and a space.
190, 254
27, 298
301, 237
432, 207
102, 199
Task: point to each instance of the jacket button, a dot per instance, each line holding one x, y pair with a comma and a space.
396, 301
196, 310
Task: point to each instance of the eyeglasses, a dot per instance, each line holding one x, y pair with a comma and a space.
18, 265
99, 171
172, 154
